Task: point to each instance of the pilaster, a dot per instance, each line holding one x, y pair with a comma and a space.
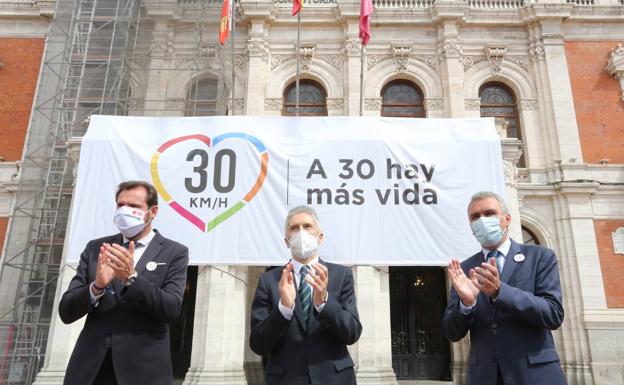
219, 327
373, 352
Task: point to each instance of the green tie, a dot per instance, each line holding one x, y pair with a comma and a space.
305, 294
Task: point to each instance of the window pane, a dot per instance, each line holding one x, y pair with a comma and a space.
312, 99
402, 98
499, 102
202, 97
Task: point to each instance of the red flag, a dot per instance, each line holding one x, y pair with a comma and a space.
366, 9
224, 29
297, 6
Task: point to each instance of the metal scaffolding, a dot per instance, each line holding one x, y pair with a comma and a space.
98, 57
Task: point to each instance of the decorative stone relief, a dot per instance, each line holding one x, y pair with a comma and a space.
258, 48
373, 60
175, 103
450, 49
239, 104
536, 50
528, 104
333, 60
306, 52
434, 104
401, 55
352, 47
429, 60
472, 104
276, 60
510, 173
372, 104
469, 61
496, 55
521, 61
239, 61
615, 66
618, 241
273, 103
162, 47
335, 103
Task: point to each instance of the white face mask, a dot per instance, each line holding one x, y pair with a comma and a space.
487, 230
303, 244
129, 221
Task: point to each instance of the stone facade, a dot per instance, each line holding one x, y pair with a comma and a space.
567, 195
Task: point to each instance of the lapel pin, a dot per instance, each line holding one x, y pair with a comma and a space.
519, 257
151, 265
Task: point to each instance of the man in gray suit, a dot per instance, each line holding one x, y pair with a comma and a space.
509, 314
129, 285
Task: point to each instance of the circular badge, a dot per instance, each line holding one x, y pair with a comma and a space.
519, 257
151, 266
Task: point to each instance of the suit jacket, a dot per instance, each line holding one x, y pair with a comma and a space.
513, 333
132, 321
300, 355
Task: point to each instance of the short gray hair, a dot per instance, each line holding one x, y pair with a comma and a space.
488, 194
299, 210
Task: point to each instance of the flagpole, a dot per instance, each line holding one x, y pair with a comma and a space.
362, 78
298, 70
233, 21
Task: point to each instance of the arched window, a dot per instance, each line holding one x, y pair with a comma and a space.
402, 98
206, 97
312, 99
529, 237
498, 101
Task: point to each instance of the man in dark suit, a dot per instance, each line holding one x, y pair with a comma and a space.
510, 315
304, 315
130, 285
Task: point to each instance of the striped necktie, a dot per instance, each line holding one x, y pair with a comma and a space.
305, 294
500, 259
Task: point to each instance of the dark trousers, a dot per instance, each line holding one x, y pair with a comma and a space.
106, 374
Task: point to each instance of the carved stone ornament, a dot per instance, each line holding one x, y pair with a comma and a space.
401, 55
306, 52
258, 48
373, 60
496, 55
372, 104
276, 60
429, 60
472, 104
333, 60
528, 104
469, 61
273, 103
618, 241
335, 103
510, 173
521, 61
615, 66
450, 49
434, 104
239, 61
352, 47
239, 104
536, 50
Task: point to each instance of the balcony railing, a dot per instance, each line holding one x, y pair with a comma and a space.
402, 3
504, 4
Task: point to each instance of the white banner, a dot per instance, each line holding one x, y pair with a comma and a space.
388, 191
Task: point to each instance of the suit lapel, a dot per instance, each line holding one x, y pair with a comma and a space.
510, 261
152, 250
314, 323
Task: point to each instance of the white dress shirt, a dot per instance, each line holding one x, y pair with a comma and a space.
138, 252
504, 249
288, 312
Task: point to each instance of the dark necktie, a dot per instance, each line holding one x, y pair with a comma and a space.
305, 294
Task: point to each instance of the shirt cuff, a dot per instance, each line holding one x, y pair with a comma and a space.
286, 311
465, 310
320, 307
95, 299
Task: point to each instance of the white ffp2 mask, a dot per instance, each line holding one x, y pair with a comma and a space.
129, 221
303, 244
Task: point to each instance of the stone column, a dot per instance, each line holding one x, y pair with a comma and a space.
219, 327
61, 337
160, 61
352, 54
258, 51
373, 352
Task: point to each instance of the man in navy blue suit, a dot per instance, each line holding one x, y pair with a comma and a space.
508, 295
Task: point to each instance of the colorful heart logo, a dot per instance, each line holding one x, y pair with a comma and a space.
186, 214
